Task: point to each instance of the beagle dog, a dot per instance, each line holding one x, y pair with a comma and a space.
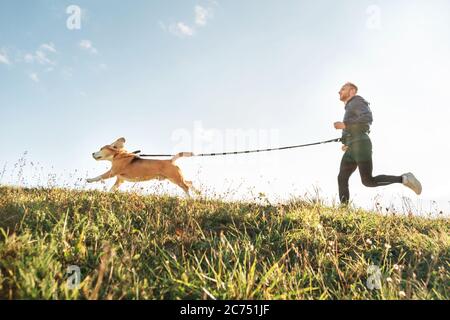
128, 166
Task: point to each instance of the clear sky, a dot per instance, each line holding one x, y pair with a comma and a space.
209, 76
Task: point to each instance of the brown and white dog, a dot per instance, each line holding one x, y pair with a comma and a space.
130, 167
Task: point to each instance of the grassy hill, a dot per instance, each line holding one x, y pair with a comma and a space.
157, 247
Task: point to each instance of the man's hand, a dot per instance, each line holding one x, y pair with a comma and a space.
339, 125
344, 147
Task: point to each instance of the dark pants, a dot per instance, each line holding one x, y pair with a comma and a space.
359, 155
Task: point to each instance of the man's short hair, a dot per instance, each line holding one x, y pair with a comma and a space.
351, 85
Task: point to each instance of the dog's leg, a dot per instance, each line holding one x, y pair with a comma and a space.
185, 188
178, 180
191, 187
174, 175
104, 176
116, 185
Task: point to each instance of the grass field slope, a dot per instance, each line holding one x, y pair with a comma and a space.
129, 246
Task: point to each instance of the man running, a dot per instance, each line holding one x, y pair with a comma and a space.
358, 147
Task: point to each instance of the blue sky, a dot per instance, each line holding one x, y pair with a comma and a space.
153, 71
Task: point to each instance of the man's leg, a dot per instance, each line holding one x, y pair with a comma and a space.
347, 167
362, 153
365, 171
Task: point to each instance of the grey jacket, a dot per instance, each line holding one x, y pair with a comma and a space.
357, 119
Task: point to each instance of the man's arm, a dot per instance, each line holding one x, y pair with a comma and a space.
357, 112
340, 125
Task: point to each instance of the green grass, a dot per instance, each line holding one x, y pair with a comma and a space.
130, 246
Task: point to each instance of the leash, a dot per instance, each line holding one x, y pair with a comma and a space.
240, 152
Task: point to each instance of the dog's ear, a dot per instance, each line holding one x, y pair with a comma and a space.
119, 143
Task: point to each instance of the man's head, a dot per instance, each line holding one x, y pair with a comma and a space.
348, 91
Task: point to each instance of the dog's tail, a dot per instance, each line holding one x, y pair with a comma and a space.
181, 154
